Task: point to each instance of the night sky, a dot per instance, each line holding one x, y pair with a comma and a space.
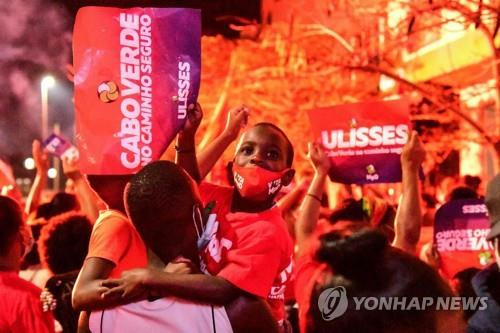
35, 40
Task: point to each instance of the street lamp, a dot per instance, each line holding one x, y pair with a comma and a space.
52, 173
29, 163
46, 83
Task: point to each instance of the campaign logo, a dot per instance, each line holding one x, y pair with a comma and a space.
371, 173
332, 303
238, 180
108, 92
274, 186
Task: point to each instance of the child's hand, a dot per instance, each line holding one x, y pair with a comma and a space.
319, 159
40, 157
194, 116
131, 286
237, 118
413, 153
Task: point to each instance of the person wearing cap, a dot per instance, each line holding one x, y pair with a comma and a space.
486, 283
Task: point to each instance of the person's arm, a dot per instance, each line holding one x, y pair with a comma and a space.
41, 159
243, 311
408, 219
141, 283
310, 209
236, 120
108, 244
87, 290
86, 196
185, 155
288, 200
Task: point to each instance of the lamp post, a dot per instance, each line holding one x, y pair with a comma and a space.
46, 83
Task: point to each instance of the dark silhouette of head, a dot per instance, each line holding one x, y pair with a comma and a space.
365, 265
64, 242
160, 200
351, 210
473, 182
61, 203
110, 189
463, 192
462, 285
11, 227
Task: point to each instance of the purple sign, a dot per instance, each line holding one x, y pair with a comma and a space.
60, 147
460, 231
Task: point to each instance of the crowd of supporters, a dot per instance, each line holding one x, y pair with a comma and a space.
165, 250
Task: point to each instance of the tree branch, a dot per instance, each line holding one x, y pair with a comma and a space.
425, 93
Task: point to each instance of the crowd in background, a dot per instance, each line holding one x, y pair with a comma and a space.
232, 256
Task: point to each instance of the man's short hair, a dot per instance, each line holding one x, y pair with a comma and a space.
11, 222
289, 149
158, 194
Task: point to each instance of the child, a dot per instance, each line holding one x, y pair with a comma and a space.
260, 260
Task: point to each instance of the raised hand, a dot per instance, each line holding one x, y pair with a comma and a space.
194, 117
237, 119
71, 167
40, 157
413, 153
318, 158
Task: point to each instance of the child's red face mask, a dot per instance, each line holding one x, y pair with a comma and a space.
256, 183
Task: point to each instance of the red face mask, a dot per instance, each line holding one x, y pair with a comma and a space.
256, 183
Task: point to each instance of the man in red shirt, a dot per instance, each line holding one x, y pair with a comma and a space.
20, 306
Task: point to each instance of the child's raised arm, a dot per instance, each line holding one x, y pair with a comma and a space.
236, 120
185, 155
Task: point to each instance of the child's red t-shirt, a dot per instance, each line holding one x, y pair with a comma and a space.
253, 251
